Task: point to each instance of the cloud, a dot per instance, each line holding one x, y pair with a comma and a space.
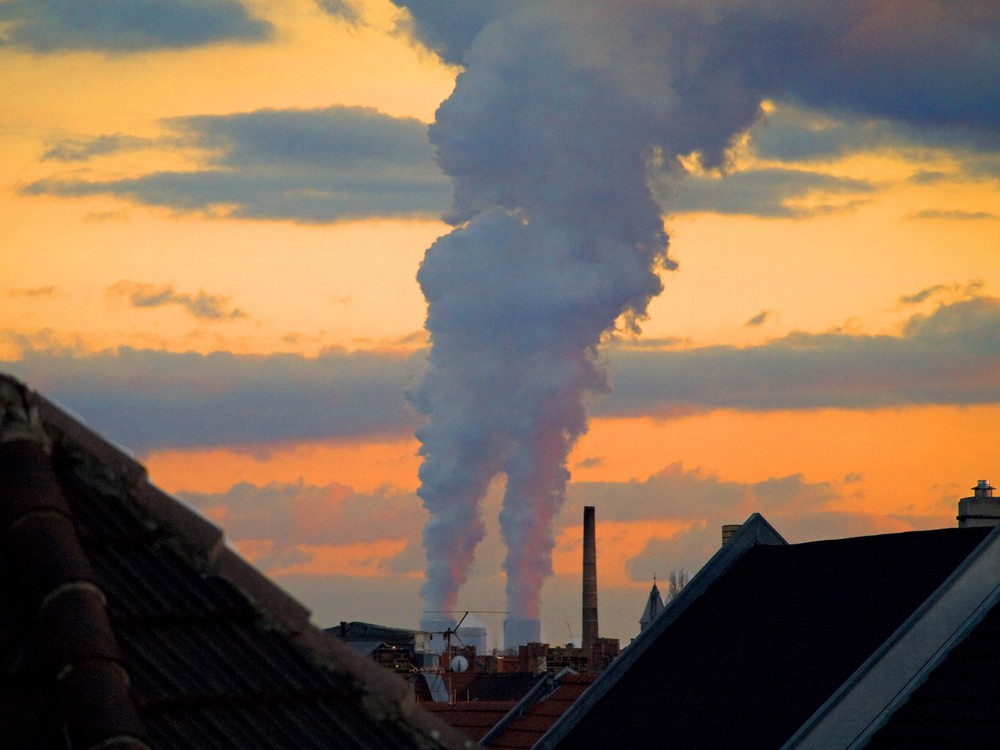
202, 305
309, 166
37, 292
84, 149
955, 291
699, 502
345, 10
448, 27
125, 26
948, 357
319, 530
152, 399
790, 133
767, 192
299, 513
955, 215
147, 399
760, 318
930, 63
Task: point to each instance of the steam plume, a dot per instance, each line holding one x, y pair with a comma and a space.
564, 110
548, 138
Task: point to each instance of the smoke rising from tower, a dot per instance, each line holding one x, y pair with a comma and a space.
564, 112
548, 137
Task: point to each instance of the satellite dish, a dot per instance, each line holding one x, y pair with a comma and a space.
459, 664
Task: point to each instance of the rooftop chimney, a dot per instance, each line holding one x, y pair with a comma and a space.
728, 529
982, 509
589, 581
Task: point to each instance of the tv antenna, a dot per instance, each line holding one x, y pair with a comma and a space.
457, 663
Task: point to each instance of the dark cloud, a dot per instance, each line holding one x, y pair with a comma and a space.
202, 305
926, 62
122, 26
769, 192
312, 166
793, 134
146, 399
84, 149
149, 399
760, 318
948, 357
448, 27
342, 9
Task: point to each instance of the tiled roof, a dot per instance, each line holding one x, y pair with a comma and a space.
473, 718
127, 621
747, 659
483, 686
522, 732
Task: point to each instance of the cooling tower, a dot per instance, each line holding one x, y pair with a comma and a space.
517, 632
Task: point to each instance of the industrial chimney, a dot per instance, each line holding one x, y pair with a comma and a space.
589, 581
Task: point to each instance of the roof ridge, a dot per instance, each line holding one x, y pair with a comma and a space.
78, 640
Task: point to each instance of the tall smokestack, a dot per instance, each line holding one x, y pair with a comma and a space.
590, 632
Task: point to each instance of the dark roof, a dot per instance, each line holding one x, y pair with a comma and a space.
959, 703
746, 659
472, 718
126, 618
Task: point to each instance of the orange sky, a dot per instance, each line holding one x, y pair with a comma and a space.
302, 288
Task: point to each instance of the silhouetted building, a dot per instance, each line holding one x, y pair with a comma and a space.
882, 641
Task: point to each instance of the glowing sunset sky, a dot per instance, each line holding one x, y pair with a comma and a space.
212, 214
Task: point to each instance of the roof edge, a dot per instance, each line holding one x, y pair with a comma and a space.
527, 701
385, 693
754, 532
885, 681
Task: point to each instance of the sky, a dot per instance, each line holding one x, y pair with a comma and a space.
213, 215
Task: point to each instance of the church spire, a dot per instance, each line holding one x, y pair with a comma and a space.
654, 603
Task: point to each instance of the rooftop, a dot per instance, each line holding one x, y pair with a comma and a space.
127, 618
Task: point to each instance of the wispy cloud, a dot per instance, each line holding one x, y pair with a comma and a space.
48, 26
84, 149
760, 318
766, 192
309, 166
201, 305
36, 292
948, 292
955, 215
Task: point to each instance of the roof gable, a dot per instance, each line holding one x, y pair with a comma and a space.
761, 647
755, 531
909, 657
